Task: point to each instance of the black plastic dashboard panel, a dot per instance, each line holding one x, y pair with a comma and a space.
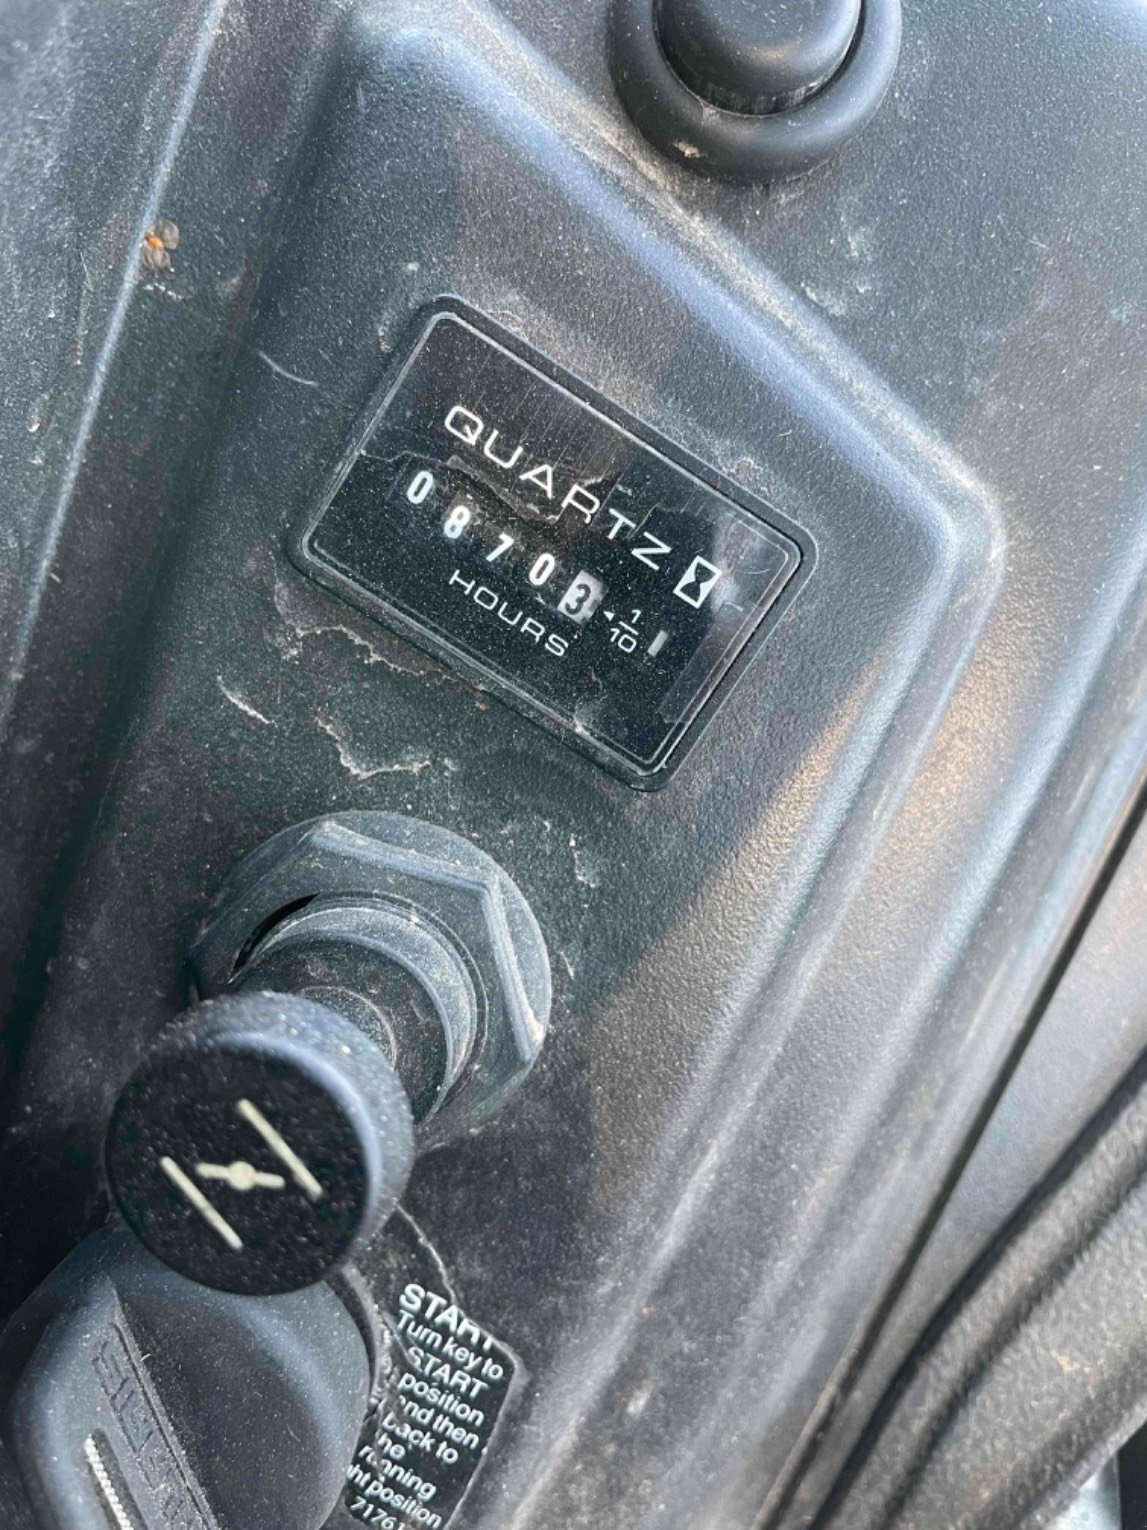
789, 984
525, 531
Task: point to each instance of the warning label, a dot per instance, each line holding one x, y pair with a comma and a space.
443, 1389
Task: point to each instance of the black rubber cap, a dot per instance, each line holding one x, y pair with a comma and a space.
753, 90
756, 56
259, 1143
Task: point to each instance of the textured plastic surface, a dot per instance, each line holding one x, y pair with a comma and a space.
790, 986
1038, 1371
1093, 1025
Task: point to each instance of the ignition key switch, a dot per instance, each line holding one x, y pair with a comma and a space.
372, 984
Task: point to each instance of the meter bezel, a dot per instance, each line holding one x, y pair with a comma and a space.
488, 677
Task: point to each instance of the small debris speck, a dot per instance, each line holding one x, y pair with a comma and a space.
158, 243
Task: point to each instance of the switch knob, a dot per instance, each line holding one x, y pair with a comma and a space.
259, 1142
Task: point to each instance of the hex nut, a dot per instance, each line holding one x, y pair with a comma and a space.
433, 876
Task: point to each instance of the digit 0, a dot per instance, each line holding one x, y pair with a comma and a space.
420, 486
543, 567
